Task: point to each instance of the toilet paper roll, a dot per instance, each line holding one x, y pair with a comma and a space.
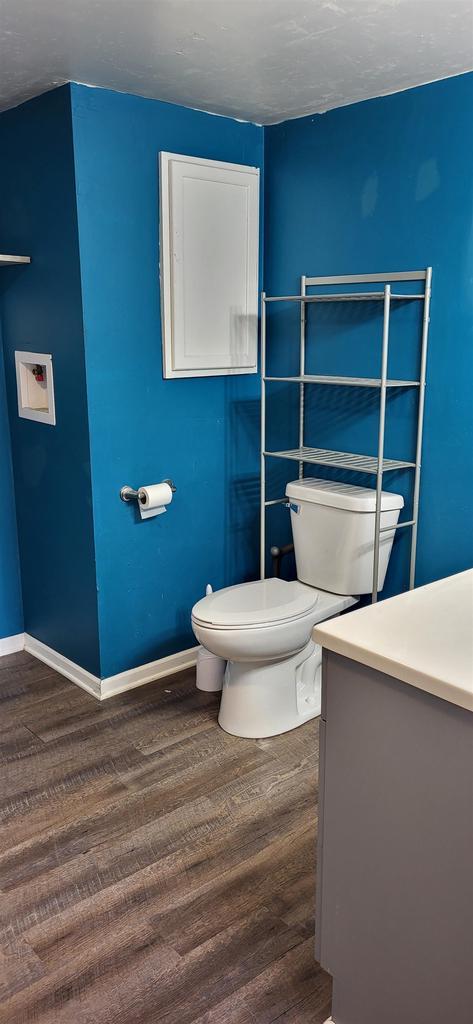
153, 498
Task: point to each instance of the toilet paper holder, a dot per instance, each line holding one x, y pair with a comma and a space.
129, 493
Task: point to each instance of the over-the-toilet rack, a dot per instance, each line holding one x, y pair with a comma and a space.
377, 464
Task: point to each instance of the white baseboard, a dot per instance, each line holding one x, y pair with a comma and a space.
147, 673
111, 685
67, 668
12, 644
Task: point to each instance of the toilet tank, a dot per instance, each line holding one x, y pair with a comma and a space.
333, 531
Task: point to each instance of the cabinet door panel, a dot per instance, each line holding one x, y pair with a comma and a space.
394, 894
209, 266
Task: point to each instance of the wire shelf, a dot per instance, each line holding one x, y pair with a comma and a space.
12, 261
343, 297
353, 382
340, 460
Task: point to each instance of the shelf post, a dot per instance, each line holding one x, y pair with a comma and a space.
263, 440
420, 424
301, 374
382, 421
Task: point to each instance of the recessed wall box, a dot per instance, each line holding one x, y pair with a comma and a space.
35, 386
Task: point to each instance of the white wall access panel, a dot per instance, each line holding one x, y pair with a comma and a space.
35, 386
209, 266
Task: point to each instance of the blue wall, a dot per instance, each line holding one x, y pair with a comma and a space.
11, 612
384, 185
41, 311
204, 433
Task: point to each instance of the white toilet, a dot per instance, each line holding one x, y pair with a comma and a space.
263, 629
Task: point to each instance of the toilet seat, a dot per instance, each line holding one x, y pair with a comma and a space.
269, 602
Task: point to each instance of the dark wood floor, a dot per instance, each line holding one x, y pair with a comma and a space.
153, 869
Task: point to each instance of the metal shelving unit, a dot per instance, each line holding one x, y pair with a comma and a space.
375, 465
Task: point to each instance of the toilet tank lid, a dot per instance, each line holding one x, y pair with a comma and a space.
340, 495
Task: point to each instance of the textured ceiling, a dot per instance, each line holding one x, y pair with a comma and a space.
259, 60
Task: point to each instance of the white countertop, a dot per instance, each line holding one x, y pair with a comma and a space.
423, 637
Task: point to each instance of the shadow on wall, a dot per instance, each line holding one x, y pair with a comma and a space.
11, 612
242, 499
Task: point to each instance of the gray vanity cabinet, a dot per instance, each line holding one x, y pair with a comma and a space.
394, 921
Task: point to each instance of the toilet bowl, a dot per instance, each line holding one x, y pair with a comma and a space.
263, 629
272, 679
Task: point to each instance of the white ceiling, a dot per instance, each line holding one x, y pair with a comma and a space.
259, 60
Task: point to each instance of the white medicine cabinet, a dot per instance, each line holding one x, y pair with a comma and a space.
209, 215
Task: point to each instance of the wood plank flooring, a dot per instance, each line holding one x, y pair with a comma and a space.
153, 869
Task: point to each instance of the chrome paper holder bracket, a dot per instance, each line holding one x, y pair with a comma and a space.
129, 493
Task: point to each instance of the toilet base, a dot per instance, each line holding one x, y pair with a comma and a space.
269, 698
